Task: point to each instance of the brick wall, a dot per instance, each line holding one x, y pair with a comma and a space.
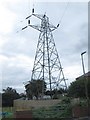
21, 105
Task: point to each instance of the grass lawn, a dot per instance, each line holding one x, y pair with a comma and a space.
8, 112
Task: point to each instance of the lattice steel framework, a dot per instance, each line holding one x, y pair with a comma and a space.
47, 65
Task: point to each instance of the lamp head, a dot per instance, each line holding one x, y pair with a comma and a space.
83, 53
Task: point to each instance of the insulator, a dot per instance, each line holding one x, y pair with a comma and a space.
28, 21
58, 25
33, 10
44, 16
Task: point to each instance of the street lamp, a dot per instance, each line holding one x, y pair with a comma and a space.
86, 79
83, 62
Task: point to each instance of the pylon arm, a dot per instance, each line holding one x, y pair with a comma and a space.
36, 27
28, 16
38, 16
24, 27
52, 27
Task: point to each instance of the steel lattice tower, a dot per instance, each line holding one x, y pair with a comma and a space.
47, 65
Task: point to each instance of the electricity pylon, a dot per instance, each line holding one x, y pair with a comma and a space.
47, 65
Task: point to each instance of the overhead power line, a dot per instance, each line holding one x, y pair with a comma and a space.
64, 13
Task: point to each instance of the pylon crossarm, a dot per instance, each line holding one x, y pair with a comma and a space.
37, 27
38, 16
52, 27
40, 28
24, 27
28, 16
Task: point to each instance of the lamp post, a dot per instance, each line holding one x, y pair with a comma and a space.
86, 79
83, 62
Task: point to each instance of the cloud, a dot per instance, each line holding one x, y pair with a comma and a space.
15, 70
21, 61
7, 19
72, 72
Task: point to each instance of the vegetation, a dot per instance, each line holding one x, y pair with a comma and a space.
77, 88
8, 96
7, 112
34, 88
58, 111
61, 110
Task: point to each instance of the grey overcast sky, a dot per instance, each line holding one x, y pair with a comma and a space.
17, 50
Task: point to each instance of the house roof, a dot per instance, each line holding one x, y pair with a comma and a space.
86, 74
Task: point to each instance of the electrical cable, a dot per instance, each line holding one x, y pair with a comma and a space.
63, 14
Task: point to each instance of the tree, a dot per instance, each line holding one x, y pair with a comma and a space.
8, 96
77, 88
34, 88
